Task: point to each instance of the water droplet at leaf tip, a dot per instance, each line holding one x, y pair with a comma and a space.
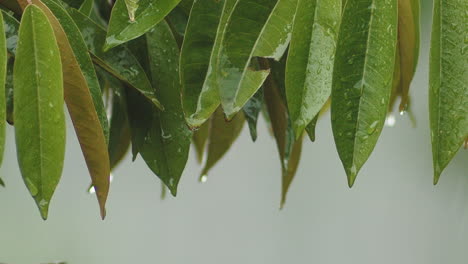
203, 178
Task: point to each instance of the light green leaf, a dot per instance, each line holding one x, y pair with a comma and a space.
311, 56
448, 80
167, 144
122, 29
119, 62
132, 6
362, 80
255, 29
83, 98
87, 7
39, 116
3, 74
222, 136
199, 60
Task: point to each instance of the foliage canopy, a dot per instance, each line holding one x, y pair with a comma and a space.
160, 76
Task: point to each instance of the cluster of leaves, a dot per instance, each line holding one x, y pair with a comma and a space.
162, 75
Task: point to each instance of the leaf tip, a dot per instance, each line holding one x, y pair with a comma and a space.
352, 175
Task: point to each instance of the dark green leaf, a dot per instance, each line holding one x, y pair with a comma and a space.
222, 136
362, 79
122, 29
167, 144
120, 62
309, 69
39, 116
448, 79
251, 110
289, 149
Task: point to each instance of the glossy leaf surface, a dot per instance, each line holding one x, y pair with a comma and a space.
120, 62
198, 62
362, 79
255, 29
79, 99
149, 13
167, 144
39, 117
252, 110
448, 79
87, 7
310, 62
132, 6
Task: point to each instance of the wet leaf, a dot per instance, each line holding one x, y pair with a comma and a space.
448, 80
66, 29
87, 7
362, 79
3, 74
119, 136
39, 116
166, 145
222, 136
255, 29
119, 62
149, 13
199, 60
199, 139
132, 6
408, 45
289, 149
83, 98
311, 56
251, 110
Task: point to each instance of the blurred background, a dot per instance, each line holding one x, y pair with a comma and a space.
393, 214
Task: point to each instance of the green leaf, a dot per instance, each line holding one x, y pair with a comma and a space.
122, 29
167, 144
362, 79
199, 139
310, 128
3, 74
309, 68
2, 183
448, 80
119, 136
71, 36
255, 29
222, 136
87, 7
120, 62
199, 60
251, 110
408, 45
83, 98
132, 6
289, 149
39, 116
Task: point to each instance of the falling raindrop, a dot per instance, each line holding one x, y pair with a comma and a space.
203, 178
390, 121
